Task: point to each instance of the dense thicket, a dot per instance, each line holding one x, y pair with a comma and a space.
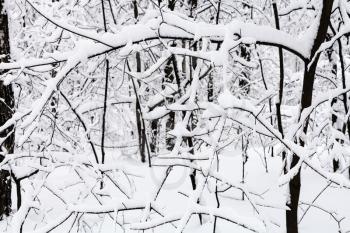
111, 101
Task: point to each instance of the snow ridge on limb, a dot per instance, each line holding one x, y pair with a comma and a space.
228, 214
173, 27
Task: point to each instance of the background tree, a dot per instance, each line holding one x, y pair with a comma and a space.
6, 112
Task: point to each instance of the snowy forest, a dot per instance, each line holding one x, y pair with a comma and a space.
159, 116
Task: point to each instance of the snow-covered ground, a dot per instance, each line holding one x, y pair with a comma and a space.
173, 198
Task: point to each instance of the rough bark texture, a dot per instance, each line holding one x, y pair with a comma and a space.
171, 74
139, 120
154, 136
346, 124
141, 129
281, 84
6, 112
334, 104
306, 99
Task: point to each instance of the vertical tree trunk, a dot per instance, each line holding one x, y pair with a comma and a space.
334, 104
171, 76
6, 112
281, 84
346, 125
154, 136
306, 99
141, 129
335, 124
243, 83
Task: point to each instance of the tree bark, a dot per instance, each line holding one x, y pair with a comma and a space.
141, 129
281, 85
171, 76
6, 112
346, 124
306, 99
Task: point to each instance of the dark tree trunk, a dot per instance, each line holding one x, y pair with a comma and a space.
334, 103
140, 125
154, 136
170, 76
6, 112
171, 4
281, 84
141, 129
306, 99
210, 88
346, 125
243, 82
334, 124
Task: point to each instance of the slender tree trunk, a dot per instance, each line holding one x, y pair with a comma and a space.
211, 99
306, 99
141, 129
346, 124
6, 112
243, 84
105, 100
140, 126
281, 84
154, 136
336, 122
